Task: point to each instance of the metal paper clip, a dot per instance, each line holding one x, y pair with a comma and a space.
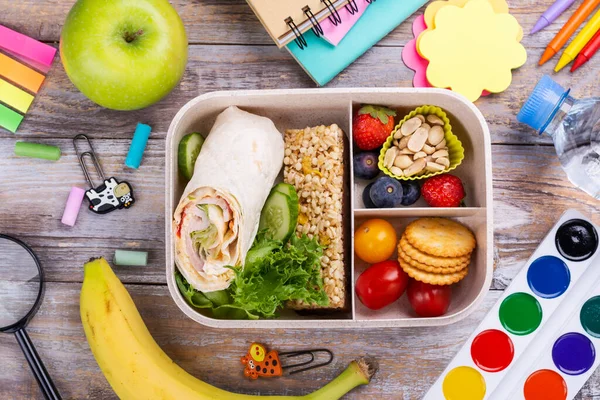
111, 194
259, 362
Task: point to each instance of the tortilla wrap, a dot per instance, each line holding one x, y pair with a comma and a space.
217, 217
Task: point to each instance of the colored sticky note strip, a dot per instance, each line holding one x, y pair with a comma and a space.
14, 97
26, 47
20, 74
10, 119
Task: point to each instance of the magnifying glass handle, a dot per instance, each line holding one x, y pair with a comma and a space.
37, 366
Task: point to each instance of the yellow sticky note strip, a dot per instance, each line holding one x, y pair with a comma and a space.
14, 97
472, 49
20, 74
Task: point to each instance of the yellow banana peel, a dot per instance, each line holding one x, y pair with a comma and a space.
137, 368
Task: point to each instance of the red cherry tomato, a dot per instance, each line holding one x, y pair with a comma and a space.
428, 300
381, 284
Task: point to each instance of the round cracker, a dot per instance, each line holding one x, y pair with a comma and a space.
428, 268
422, 258
433, 279
440, 237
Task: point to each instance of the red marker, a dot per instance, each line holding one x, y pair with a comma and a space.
587, 52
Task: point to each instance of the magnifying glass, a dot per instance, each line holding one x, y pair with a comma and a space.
21, 289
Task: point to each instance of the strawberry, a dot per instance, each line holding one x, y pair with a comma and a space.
372, 126
443, 191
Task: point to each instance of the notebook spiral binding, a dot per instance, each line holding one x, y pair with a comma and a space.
351, 7
317, 29
300, 40
334, 17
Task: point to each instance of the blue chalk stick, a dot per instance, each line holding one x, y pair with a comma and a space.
138, 145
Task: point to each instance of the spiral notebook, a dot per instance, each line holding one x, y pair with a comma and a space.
323, 61
287, 20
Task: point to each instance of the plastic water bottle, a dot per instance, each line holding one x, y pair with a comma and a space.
574, 126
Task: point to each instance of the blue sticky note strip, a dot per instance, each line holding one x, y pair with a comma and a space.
138, 145
323, 62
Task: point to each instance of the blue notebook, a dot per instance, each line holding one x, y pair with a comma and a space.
323, 62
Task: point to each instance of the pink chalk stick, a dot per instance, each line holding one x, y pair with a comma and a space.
73, 205
26, 48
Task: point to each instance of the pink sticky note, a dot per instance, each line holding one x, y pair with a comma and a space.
412, 58
334, 34
414, 61
25, 48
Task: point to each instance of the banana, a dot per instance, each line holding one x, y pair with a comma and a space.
137, 368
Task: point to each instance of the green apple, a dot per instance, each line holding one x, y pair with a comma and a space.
124, 54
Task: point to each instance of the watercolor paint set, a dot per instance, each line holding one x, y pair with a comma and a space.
538, 341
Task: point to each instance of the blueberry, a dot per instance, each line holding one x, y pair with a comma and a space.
365, 165
411, 193
386, 192
367, 197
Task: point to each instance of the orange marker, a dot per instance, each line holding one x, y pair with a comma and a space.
562, 37
20, 74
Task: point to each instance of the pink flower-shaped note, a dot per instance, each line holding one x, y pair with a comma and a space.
413, 59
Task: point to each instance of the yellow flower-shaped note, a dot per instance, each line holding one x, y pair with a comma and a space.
472, 49
500, 7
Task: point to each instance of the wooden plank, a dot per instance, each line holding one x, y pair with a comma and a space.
60, 111
529, 185
232, 21
410, 359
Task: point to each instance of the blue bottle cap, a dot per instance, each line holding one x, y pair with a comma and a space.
542, 104
138, 145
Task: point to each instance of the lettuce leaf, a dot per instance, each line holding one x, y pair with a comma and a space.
288, 272
218, 302
274, 273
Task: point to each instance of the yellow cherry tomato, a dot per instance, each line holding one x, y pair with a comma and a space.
375, 241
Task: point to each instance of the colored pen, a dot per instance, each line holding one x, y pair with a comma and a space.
588, 31
588, 52
562, 37
551, 14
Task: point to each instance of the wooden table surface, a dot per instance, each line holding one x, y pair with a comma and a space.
230, 50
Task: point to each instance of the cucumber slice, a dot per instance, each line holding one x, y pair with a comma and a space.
279, 216
189, 148
288, 190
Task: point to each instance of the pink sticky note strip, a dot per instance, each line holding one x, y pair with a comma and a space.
414, 61
26, 48
334, 34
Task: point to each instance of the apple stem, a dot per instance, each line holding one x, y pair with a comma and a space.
130, 37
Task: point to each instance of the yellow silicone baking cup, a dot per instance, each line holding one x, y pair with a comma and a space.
456, 152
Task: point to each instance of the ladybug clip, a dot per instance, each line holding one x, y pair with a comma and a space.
259, 362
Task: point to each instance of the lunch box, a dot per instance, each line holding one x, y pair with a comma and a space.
300, 108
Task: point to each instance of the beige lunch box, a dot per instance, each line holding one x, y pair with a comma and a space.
299, 108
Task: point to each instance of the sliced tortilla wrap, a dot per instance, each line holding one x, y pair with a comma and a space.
217, 218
